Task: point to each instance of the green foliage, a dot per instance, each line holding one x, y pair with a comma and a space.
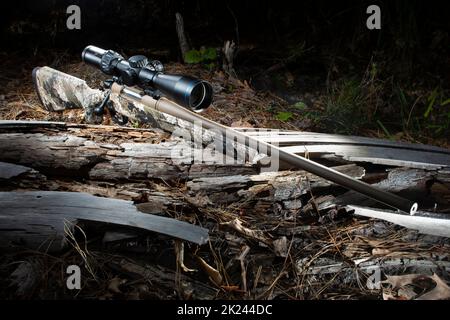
346, 108
440, 112
431, 101
284, 115
386, 132
300, 106
192, 56
200, 56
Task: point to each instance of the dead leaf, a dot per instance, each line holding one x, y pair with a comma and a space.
115, 283
280, 246
401, 281
440, 292
214, 274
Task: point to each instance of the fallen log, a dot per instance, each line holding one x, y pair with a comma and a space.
356, 149
37, 219
135, 164
113, 156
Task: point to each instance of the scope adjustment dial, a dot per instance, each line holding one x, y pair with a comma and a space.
138, 61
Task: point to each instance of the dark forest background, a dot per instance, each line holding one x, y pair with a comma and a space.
334, 73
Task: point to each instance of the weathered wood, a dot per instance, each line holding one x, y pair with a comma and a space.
292, 138
9, 170
70, 154
28, 124
354, 148
390, 156
36, 219
424, 222
61, 91
192, 132
414, 183
284, 186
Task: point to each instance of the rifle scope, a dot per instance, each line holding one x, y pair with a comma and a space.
189, 92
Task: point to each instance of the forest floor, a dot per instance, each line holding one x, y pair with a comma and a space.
323, 241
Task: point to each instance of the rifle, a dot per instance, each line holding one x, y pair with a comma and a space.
182, 97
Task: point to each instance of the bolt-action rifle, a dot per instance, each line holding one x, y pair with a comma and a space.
141, 80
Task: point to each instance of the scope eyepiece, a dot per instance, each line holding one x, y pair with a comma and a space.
189, 92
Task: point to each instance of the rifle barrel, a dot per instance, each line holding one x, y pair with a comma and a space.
166, 106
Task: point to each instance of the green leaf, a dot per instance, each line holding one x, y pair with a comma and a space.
402, 98
211, 66
386, 132
300, 105
193, 56
445, 102
284, 116
209, 54
431, 100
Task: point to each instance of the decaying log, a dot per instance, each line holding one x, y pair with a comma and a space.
284, 187
19, 125
415, 183
61, 91
136, 164
37, 219
72, 154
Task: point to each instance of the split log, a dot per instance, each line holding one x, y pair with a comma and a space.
61, 91
355, 149
38, 219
